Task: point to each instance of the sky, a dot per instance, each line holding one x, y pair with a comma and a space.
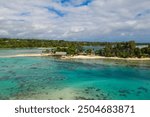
76, 20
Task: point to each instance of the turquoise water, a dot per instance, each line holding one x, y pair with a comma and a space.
8, 52
52, 78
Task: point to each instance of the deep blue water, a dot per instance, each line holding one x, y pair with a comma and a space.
53, 78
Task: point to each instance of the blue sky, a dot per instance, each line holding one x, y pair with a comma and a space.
76, 20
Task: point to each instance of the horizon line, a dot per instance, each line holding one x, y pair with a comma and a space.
73, 40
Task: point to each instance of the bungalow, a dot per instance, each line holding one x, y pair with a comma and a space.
141, 46
61, 53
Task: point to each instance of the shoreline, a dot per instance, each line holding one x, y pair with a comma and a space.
102, 57
25, 55
90, 57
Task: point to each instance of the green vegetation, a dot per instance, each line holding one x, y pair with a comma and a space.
71, 50
124, 50
30, 43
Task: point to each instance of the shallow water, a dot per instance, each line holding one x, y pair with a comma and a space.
52, 78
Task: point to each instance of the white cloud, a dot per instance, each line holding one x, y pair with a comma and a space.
109, 19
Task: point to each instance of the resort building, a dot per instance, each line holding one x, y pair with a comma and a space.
61, 53
142, 46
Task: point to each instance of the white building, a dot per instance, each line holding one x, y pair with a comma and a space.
61, 53
142, 46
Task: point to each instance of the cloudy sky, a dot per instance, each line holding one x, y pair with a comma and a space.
88, 20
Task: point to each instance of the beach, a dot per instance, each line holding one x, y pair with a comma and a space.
25, 55
102, 57
76, 57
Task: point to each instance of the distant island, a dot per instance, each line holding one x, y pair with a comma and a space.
73, 49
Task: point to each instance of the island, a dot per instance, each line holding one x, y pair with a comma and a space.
82, 50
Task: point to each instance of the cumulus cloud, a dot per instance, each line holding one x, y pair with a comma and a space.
88, 20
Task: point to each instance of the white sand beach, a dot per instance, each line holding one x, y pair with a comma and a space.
102, 57
25, 55
77, 57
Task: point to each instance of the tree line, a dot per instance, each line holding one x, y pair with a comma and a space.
124, 50
30, 43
